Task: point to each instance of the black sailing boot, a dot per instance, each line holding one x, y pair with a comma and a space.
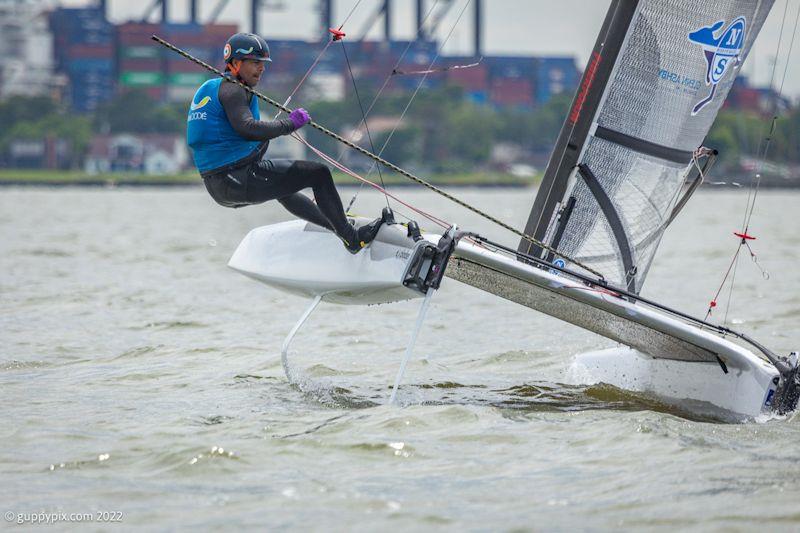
367, 233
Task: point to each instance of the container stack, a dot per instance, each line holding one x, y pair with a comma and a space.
139, 59
512, 81
555, 75
474, 80
164, 75
83, 46
205, 42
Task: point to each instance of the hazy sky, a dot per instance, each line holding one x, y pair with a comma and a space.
563, 27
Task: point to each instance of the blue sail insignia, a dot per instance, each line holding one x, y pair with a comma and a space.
722, 51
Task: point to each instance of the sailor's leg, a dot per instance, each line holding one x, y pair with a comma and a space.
301, 206
281, 178
319, 178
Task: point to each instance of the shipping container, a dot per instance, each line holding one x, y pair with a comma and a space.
472, 78
83, 65
140, 52
555, 75
92, 81
511, 67
89, 51
72, 19
155, 65
191, 79
156, 93
141, 79
478, 97
206, 54
188, 66
512, 91
180, 93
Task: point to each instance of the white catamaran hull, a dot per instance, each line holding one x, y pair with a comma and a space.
668, 357
307, 260
688, 385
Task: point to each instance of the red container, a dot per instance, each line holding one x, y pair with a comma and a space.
137, 40
90, 51
138, 30
156, 93
511, 91
140, 65
182, 65
472, 78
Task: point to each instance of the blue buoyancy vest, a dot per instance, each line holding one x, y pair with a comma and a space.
213, 141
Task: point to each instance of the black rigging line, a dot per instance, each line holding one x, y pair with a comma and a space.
383, 87
364, 118
764, 145
770, 130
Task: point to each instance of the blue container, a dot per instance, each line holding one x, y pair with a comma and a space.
89, 65
426, 48
76, 20
478, 97
171, 28
290, 47
411, 82
511, 67
555, 75
203, 53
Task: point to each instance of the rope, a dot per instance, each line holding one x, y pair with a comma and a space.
752, 193
398, 72
377, 158
419, 86
383, 87
363, 116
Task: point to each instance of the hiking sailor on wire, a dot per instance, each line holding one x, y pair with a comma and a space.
228, 142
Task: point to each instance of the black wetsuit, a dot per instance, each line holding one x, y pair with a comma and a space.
253, 180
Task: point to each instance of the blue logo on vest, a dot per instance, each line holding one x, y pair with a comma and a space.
722, 50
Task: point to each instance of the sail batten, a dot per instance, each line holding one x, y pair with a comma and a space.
660, 72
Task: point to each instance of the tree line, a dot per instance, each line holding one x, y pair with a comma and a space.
442, 131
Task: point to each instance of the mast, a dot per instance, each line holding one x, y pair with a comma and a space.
579, 121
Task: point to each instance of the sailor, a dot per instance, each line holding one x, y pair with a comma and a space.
229, 141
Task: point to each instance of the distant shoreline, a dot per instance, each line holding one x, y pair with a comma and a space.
42, 178
63, 179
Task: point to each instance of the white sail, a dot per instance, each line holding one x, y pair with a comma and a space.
672, 69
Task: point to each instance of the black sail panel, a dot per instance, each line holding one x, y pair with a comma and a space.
576, 127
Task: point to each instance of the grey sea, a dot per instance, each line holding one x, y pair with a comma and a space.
141, 384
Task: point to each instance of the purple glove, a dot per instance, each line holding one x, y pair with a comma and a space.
299, 118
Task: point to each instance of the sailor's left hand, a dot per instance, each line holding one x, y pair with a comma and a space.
299, 117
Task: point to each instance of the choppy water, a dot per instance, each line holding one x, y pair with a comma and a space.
139, 375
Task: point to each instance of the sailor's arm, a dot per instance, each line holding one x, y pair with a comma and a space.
236, 103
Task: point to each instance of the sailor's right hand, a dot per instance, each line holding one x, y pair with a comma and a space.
299, 118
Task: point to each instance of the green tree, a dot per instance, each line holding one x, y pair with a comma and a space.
136, 112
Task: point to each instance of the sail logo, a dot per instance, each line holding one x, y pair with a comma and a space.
722, 49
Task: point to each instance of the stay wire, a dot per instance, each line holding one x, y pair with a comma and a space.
317, 60
363, 116
770, 130
764, 145
350, 14
377, 158
383, 88
419, 86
